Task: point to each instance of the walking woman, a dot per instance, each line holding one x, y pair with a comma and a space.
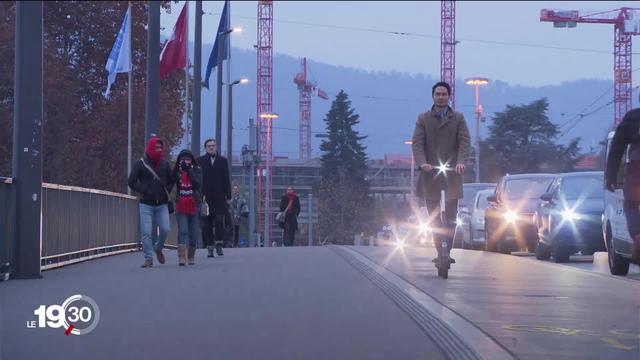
188, 178
290, 205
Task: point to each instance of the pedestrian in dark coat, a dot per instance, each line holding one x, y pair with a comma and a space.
216, 189
627, 135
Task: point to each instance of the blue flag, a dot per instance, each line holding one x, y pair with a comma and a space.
224, 25
119, 57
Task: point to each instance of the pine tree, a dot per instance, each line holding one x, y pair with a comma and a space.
345, 205
522, 139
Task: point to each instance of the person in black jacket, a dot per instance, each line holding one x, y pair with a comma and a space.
216, 188
290, 205
151, 178
187, 176
627, 135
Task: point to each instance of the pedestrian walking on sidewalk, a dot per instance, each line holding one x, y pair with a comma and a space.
290, 209
239, 209
151, 178
216, 188
187, 176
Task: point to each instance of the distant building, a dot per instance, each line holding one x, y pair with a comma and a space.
389, 180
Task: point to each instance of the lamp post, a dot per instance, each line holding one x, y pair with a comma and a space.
219, 38
410, 143
267, 175
477, 82
230, 119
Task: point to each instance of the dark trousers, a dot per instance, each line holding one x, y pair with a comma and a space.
236, 235
443, 225
631, 192
289, 234
214, 220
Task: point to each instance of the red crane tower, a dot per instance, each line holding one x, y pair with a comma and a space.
264, 76
448, 46
306, 88
626, 22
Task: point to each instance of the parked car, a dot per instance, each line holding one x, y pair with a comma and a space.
509, 217
569, 216
475, 238
614, 224
465, 210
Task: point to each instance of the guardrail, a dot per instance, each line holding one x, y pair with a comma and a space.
7, 214
78, 224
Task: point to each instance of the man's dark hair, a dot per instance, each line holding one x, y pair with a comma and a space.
444, 85
208, 141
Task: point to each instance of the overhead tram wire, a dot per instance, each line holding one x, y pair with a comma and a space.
571, 123
412, 34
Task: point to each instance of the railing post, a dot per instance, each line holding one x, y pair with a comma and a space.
27, 138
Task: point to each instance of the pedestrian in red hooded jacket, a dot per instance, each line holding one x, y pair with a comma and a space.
151, 178
290, 205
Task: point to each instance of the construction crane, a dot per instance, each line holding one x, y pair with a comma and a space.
448, 46
306, 88
626, 22
264, 102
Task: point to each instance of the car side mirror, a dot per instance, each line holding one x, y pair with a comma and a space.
492, 198
547, 197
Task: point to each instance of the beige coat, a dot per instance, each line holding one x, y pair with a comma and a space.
440, 142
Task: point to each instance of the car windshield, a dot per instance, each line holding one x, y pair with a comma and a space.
482, 200
517, 189
470, 193
574, 188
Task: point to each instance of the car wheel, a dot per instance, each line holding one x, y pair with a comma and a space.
618, 264
542, 252
560, 253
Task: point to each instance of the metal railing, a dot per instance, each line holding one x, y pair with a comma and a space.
7, 234
79, 224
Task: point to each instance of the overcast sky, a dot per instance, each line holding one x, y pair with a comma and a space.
476, 23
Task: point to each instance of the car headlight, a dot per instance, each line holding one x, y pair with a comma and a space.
570, 215
400, 243
424, 228
459, 222
510, 216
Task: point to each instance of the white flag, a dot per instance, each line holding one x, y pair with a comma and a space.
119, 57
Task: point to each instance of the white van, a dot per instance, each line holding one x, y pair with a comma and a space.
614, 224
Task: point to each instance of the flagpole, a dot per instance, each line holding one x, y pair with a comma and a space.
186, 73
130, 101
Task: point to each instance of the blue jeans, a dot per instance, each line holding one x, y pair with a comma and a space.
152, 219
188, 228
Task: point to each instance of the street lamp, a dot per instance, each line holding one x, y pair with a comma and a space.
230, 118
219, 40
267, 159
477, 82
410, 142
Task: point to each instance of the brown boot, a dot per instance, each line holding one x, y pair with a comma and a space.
147, 264
192, 255
182, 255
160, 256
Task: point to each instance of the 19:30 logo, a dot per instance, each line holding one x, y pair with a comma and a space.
78, 315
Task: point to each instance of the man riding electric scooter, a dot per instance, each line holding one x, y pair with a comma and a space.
441, 149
